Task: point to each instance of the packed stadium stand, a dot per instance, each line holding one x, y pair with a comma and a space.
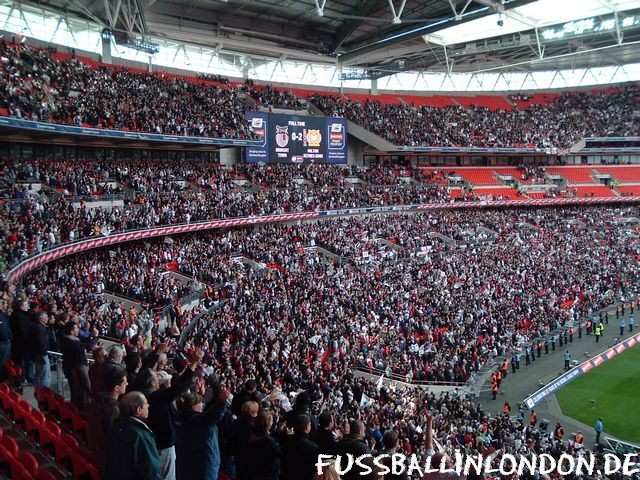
476, 124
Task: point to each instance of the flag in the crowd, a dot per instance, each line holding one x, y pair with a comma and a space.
365, 401
326, 355
566, 304
438, 446
379, 383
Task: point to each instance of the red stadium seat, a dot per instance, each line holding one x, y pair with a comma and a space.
45, 475
33, 424
10, 445
82, 469
30, 463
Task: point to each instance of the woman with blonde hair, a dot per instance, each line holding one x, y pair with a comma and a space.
328, 472
242, 427
264, 451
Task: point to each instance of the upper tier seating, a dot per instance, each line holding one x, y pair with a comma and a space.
497, 192
560, 123
492, 102
623, 173
574, 174
629, 190
478, 176
592, 191
64, 89
437, 101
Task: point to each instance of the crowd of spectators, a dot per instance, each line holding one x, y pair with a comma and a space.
303, 321
36, 86
559, 124
270, 97
161, 194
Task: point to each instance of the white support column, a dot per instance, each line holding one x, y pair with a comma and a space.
320, 7
112, 9
9, 16
396, 15
374, 86
70, 29
453, 8
613, 75
539, 45
24, 19
619, 34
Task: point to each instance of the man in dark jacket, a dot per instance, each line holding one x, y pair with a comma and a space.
302, 407
353, 444
325, 438
5, 340
130, 449
20, 323
105, 409
299, 454
39, 346
162, 413
248, 393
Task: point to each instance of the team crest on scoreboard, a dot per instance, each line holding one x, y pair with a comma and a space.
282, 136
336, 136
258, 127
313, 138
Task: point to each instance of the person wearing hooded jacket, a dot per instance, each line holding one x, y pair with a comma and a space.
197, 442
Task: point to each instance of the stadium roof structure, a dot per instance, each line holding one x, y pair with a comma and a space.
383, 37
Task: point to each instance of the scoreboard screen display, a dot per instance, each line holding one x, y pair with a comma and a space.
297, 139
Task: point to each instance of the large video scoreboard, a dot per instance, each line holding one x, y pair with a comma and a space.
297, 139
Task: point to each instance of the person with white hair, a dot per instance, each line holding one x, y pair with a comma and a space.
115, 355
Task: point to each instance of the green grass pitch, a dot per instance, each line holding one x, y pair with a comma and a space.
615, 387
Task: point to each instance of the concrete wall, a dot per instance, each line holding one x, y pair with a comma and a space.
229, 156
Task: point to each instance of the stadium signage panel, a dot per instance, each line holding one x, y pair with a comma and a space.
355, 211
118, 134
575, 372
297, 139
475, 150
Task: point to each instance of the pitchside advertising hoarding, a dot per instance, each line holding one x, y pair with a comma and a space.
575, 372
297, 139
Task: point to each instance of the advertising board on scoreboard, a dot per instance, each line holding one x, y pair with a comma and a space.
297, 139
